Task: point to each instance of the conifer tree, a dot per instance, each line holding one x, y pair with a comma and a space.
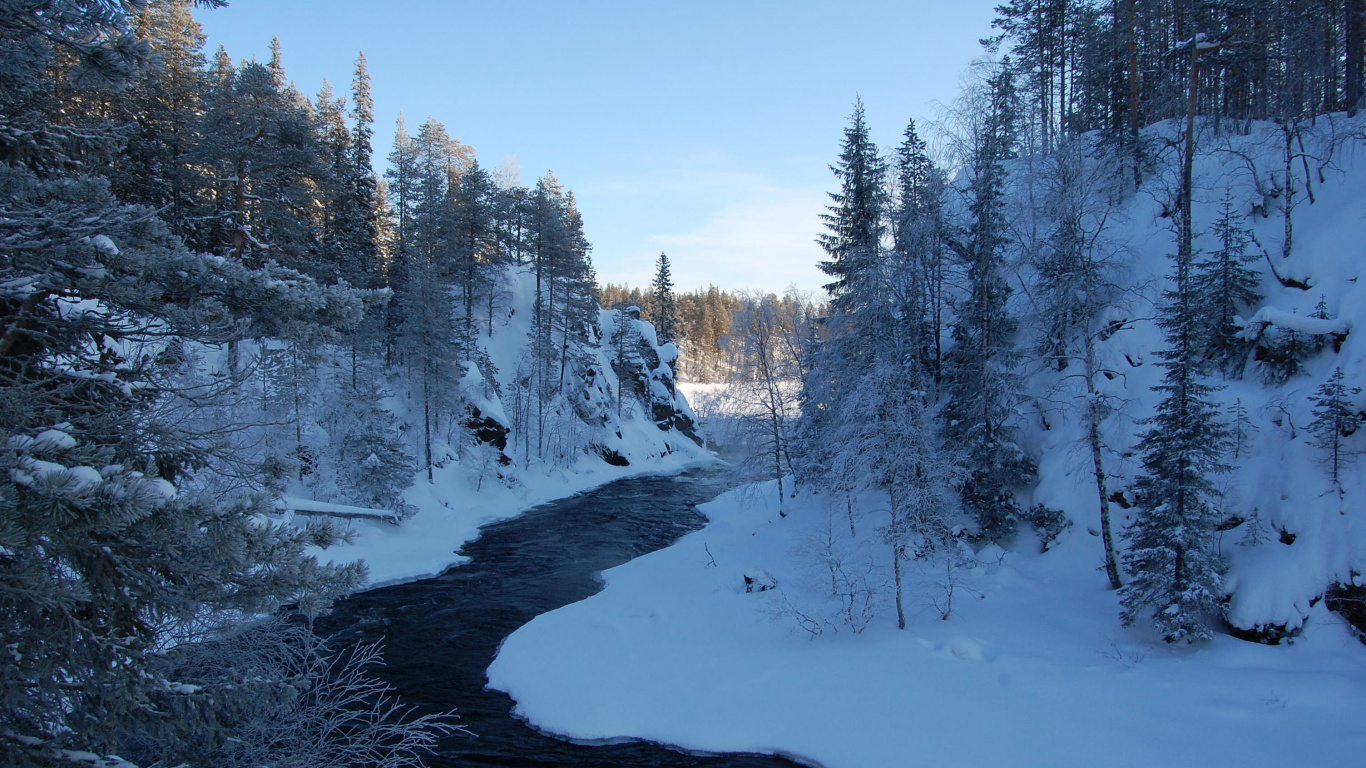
429, 337
362, 224
113, 550
473, 247
665, 313
260, 136
1175, 566
859, 312
402, 180
855, 220
1225, 287
163, 106
917, 228
980, 368
1335, 420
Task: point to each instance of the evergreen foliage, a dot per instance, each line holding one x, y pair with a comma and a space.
1176, 568
1335, 420
980, 375
1225, 287
664, 313
855, 220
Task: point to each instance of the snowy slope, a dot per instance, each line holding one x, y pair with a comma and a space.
1031, 667
1277, 482
471, 489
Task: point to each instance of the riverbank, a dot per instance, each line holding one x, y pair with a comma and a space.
727, 641
455, 505
440, 634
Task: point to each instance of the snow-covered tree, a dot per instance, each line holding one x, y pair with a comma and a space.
980, 376
1077, 270
1335, 420
917, 271
111, 552
1176, 568
888, 443
1225, 287
664, 313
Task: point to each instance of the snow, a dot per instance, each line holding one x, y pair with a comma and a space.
53, 440
1311, 325
1032, 665
104, 244
295, 504
1035, 671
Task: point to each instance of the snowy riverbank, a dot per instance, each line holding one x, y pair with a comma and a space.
451, 510
1031, 668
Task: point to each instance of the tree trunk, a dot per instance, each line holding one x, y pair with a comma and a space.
1288, 191
1355, 25
896, 555
1134, 148
427, 417
1098, 466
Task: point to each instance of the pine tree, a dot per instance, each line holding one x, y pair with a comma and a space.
665, 313
429, 337
259, 135
402, 177
163, 105
1176, 568
1335, 420
112, 550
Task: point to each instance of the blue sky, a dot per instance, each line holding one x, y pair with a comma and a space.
703, 129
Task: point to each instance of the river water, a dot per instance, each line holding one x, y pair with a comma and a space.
440, 634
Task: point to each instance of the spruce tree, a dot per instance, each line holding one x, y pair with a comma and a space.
980, 369
1225, 287
473, 247
917, 228
665, 313
1176, 568
855, 220
1335, 420
362, 229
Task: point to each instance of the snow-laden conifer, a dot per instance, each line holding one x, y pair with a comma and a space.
1172, 556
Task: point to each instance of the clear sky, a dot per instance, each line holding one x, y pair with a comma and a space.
704, 129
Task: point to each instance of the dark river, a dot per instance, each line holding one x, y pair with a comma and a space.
440, 634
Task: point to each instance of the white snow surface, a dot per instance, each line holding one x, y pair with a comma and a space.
1035, 671
1032, 667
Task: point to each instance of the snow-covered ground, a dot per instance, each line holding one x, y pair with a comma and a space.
1032, 666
